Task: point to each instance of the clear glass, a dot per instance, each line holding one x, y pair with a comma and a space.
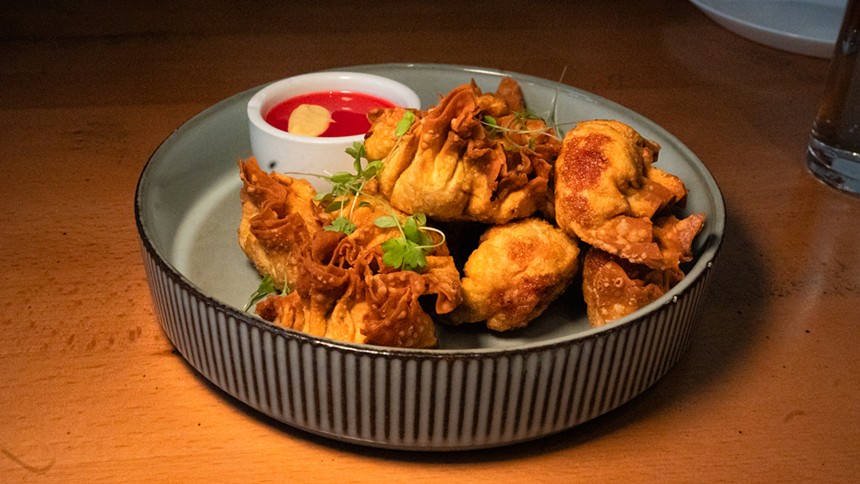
833, 154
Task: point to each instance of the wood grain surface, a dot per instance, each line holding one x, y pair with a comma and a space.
91, 390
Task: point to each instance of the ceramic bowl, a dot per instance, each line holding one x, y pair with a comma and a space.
278, 150
478, 389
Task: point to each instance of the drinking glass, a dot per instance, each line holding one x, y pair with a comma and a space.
833, 153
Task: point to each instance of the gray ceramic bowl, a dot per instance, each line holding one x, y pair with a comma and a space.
479, 389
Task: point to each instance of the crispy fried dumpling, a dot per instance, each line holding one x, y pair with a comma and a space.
339, 286
279, 220
517, 270
472, 157
614, 287
608, 194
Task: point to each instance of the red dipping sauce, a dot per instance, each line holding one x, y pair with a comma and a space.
348, 111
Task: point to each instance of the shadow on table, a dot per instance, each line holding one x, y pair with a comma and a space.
728, 322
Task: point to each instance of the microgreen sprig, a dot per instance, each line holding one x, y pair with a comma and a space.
409, 251
266, 287
341, 224
552, 115
551, 119
345, 185
491, 123
404, 124
520, 117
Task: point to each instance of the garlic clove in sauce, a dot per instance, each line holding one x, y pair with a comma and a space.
309, 120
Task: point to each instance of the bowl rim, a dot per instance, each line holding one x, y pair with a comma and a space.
700, 266
257, 101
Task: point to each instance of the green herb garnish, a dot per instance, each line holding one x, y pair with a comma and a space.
266, 287
552, 115
404, 124
494, 128
357, 152
491, 123
341, 224
345, 185
409, 251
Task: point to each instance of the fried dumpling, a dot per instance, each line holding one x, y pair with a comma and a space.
609, 195
382, 136
613, 287
279, 220
339, 286
472, 157
514, 274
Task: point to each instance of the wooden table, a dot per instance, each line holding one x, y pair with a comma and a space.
92, 390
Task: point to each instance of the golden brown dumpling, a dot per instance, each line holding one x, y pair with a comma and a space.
608, 194
517, 270
340, 286
473, 157
613, 287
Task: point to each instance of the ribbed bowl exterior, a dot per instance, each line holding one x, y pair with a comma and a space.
420, 400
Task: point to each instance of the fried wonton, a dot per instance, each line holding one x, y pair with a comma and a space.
517, 270
339, 286
608, 194
474, 157
614, 287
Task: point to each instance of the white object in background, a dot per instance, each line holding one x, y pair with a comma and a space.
806, 27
